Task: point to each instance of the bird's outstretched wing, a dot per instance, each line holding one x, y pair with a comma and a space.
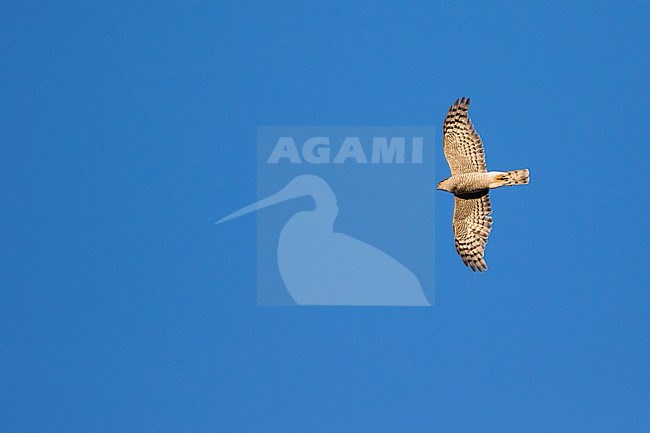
462, 145
472, 224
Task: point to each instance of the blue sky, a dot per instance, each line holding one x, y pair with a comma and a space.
128, 129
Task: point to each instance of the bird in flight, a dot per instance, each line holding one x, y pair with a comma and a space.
470, 183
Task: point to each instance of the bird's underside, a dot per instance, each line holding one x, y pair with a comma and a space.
470, 183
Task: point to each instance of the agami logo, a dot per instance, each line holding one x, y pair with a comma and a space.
345, 216
317, 150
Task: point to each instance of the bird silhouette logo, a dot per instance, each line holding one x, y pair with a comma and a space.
322, 267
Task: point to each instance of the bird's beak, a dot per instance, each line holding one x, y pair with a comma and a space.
280, 196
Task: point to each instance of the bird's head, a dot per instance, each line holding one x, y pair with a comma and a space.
442, 185
302, 185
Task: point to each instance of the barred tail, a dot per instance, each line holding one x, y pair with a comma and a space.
509, 178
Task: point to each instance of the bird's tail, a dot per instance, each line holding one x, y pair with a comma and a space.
509, 178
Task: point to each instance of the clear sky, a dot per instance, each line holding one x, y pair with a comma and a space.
129, 128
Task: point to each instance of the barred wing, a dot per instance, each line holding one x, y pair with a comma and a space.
462, 145
472, 224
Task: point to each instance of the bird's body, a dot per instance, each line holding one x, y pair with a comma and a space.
467, 183
322, 267
470, 183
